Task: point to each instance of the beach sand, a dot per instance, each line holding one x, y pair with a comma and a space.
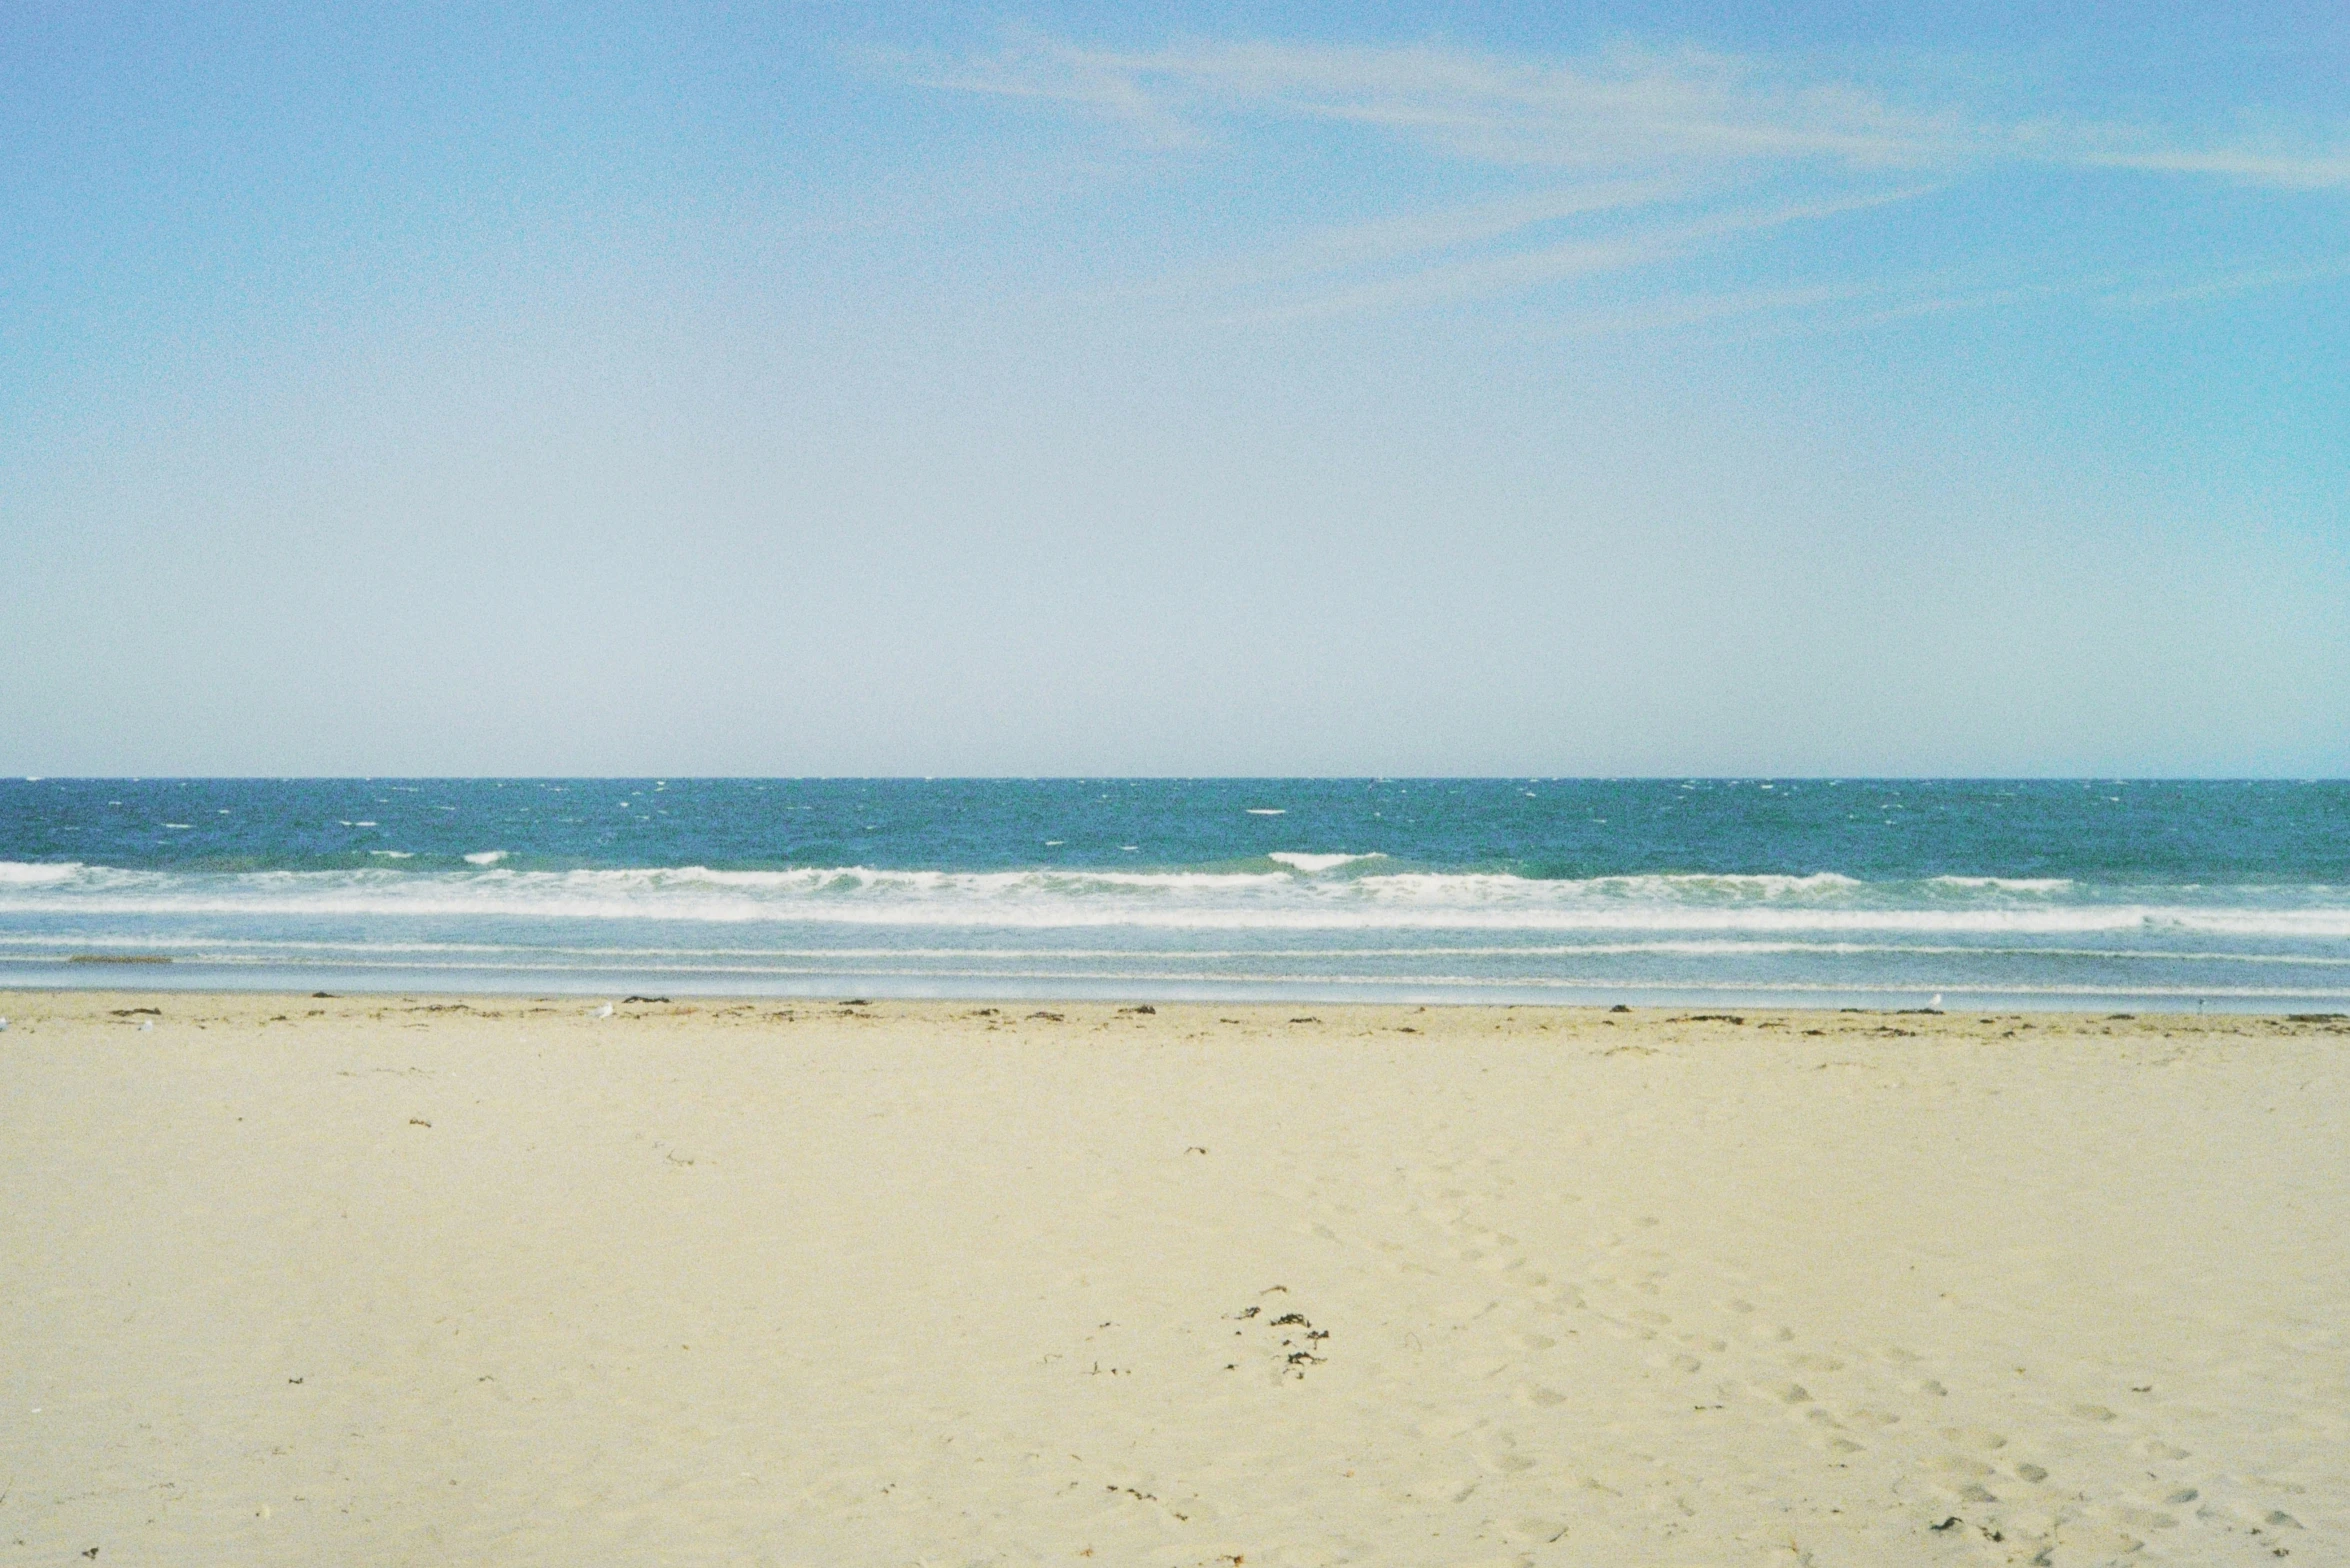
385, 1280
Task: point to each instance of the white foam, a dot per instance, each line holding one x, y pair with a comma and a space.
21, 873
1268, 811
487, 857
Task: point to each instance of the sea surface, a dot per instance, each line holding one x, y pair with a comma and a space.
2152, 896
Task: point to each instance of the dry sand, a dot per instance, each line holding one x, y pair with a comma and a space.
384, 1280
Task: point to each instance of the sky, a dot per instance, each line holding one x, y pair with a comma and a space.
1234, 389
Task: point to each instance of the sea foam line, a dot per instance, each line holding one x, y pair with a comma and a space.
70, 942
2076, 920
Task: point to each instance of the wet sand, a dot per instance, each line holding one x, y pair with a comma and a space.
373, 1279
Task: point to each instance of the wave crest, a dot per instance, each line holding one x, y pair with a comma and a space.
1314, 865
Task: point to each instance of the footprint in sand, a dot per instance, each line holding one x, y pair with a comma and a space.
1538, 1530
1975, 1437
2146, 1518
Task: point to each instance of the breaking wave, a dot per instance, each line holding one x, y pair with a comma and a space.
1299, 896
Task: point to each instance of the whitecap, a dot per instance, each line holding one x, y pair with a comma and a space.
1268, 811
1316, 863
487, 857
21, 873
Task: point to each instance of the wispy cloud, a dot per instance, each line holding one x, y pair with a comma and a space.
1624, 108
2243, 281
1515, 271
1453, 228
2314, 170
1627, 108
1706, 310
1644, 157
1408, 241
1762, 314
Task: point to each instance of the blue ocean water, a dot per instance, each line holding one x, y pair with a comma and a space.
2093, 894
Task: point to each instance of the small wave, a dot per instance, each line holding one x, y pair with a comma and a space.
392, 854
487, 857
1268, 811
1313, 864
2006, 884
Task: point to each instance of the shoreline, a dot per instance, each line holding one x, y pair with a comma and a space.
30, 1009
125, 978
398, 1277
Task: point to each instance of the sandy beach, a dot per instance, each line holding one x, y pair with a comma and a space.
430, 1280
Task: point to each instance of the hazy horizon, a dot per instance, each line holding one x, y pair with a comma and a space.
1187, 778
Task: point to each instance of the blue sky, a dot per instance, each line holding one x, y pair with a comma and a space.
831, 389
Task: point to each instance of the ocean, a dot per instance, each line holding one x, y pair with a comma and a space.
2121, 895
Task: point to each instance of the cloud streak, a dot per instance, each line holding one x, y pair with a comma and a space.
1643, 157
1622, 109
1516, 271
2246, 281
